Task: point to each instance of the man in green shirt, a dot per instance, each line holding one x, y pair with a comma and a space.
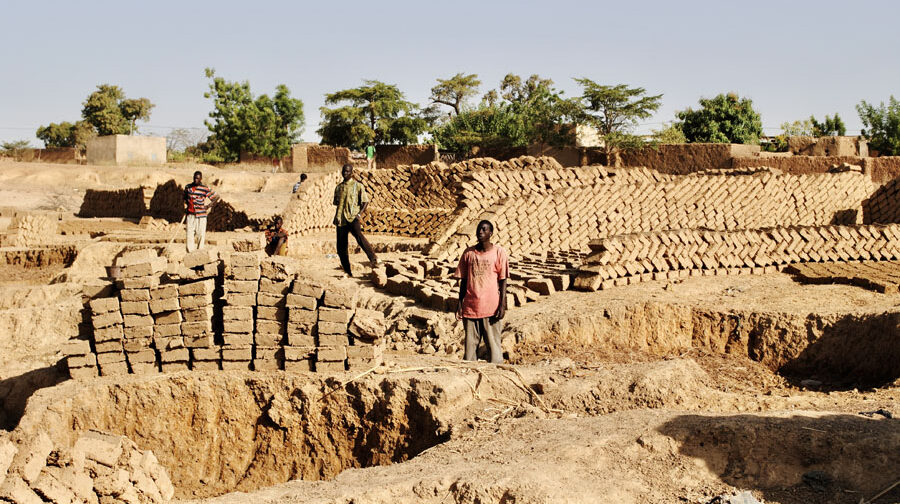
370, 156
351, 201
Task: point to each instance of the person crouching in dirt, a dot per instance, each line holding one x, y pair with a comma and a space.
351, 201
195, 196
276, 238
299, 183
483, 270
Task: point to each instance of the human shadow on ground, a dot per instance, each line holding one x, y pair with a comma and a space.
798, 459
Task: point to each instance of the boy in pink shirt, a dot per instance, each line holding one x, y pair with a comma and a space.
483, 270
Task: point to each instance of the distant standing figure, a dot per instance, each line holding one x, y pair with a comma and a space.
299, 183
483, 270
195, 196
351, 201
370, 157
276, 238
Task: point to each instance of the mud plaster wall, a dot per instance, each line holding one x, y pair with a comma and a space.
682, 159
126, 149
315, 158
61, 155
393, 156
880, 169
569, 217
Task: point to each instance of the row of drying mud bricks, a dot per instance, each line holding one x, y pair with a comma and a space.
97, 468
626, 259
430, 282
269, 321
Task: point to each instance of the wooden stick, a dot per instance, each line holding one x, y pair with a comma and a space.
886, 490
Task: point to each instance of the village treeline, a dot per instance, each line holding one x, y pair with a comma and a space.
458, 118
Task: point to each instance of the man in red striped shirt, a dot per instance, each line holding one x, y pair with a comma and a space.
195, 196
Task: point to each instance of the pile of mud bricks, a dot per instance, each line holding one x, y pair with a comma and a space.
538, 206
410, 200
97, 468
245, 314
626, 259
569, 217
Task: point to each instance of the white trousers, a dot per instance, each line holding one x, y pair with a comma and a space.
196, 228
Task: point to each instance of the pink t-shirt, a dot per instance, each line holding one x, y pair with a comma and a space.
483, 272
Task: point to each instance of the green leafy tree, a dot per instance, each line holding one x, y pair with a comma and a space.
669, 134
454, 91
544, 115
134, 109
57, 135
615, 111
832, 126
519, 113
487, 126
265, 126
726, 118
374, 113
110, 113
14, 148
66, 134
882, 125
797, 128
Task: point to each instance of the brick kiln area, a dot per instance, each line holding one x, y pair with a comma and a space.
702, 337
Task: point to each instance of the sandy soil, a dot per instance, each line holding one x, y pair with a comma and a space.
651, 393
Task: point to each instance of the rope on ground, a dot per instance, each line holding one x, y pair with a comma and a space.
886, 490
347, 382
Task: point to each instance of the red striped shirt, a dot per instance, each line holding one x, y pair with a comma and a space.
196, 195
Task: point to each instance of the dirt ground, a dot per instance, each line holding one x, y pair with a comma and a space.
651, 393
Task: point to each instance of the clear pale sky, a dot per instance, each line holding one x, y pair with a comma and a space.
792, 58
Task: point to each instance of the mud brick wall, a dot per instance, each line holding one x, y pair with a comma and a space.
683, 159
246, 314
429, 201
127, 203
569, 217
393, 156
167, 203
624, 259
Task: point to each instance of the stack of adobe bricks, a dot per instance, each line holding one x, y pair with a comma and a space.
625, 259
241, 288
140, 271
883, 206
260, 317
412, 200
569, 218
30, 229
519, 163
319, 330
312, 208
115, 203
275, 278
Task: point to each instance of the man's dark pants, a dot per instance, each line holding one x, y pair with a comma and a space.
354, 229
